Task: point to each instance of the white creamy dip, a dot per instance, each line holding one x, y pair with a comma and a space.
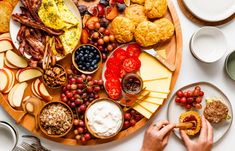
104, 118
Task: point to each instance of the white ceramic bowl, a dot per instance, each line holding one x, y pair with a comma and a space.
208, 44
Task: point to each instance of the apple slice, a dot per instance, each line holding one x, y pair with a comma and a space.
18, 94
4, 82
5, 35
5, 45
11, 80
34, 88
43, 92
16, 60
28, 74
10, 95
2, 60
9, 65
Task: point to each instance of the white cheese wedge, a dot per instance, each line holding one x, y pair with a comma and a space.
159, 85
151, 68
155, 94
154, 100
148, 106
142, 111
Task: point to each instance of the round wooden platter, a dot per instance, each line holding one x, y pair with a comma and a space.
174, 55
197, 20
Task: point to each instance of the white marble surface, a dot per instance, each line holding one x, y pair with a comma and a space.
191, 71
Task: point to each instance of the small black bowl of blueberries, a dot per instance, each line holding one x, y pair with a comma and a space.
86, 58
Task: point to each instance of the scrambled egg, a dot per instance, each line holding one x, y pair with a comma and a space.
55, 14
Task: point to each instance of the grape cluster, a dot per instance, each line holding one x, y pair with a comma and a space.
131, 117
101, 37
79, 92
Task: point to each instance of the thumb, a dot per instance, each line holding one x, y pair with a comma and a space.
185, 137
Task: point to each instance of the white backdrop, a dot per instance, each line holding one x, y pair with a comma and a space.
191, 71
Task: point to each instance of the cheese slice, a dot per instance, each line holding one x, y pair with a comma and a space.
154, 100
155, 94
151, 68
148, 106
159, 85
142, 111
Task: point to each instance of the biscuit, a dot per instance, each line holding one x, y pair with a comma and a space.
135, 13
166, 28
155, 8
123, 29
147, 34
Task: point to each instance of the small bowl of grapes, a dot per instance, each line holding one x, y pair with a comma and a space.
87, 59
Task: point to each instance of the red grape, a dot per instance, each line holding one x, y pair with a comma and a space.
198, 106
80, 130
177, 100
126, 124
198, 99
132, 122
201, 93
75, 122
188, 106
87, 136
183, 100
127, 116
180, 94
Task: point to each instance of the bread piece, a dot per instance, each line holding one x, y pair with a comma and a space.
166, 28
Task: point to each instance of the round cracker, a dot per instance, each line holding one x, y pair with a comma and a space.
5, 13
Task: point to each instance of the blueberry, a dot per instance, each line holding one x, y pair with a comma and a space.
83, 47
97, 56
80, 66
104, 22
104, 2
91, 69
83, 68
121, 7
95, 66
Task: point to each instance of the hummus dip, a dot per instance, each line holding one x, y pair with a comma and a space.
104, 118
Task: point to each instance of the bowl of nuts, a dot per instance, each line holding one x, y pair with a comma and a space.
54, 76
55, 119
86, 58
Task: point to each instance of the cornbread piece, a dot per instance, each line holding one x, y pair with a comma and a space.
147, 34
166, 28
56, 119
135, 13
215, 111
155, 8
123, 29
194, 117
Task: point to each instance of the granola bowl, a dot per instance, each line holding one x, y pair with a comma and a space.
55, 119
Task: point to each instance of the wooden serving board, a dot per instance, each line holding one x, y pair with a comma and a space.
174, 55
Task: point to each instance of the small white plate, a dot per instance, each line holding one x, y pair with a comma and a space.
208, 44
211, 10
210, 91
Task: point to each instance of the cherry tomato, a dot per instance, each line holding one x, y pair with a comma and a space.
131, 64
120, 54
133, 50
114, 93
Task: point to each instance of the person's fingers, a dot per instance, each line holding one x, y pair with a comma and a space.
166, 129
166, 138
185, 137
204, 129
210, 132
159, 125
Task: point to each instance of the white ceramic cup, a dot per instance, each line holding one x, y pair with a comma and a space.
208, 44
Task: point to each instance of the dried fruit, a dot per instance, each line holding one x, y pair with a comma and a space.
111, 12
101, 10
84, 37
93, 10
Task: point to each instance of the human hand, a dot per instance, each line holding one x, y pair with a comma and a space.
156, 136
205, 140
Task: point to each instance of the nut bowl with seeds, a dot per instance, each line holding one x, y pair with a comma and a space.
55, 119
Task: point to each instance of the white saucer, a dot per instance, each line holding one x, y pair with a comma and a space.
208, 44
211, 10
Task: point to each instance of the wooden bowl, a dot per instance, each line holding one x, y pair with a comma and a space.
44, 131
53, 87
75, 64
86, 120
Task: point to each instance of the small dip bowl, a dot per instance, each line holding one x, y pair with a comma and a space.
132, 84
9, 136
229, 65
114, 104
208, 44
57, 108
62, 74
86, 58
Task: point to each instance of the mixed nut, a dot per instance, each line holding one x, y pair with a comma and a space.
54, 76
